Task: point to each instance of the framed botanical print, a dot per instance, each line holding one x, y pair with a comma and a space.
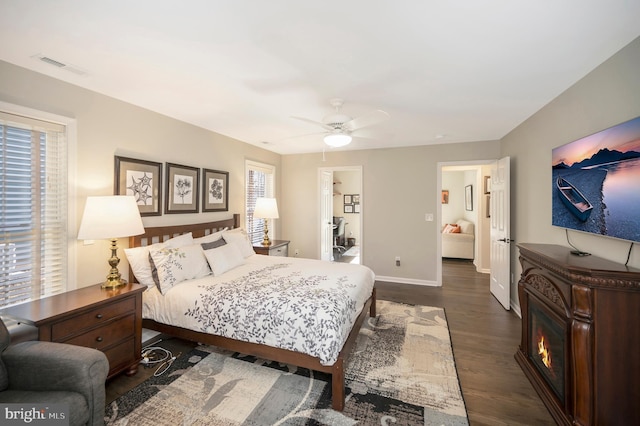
143, 180
215, 191
182, 189
468, 198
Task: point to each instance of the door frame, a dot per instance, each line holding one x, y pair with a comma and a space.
437, 228
363, 201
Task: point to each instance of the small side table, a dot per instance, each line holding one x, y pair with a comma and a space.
277, 248
109, 320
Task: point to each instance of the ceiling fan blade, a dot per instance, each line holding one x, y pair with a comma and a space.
317, 123
374, 117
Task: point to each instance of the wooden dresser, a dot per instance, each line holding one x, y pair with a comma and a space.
107, 320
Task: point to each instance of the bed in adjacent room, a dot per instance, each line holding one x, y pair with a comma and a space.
206, 284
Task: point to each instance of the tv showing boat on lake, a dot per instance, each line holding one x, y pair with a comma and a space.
595, 183
574, 200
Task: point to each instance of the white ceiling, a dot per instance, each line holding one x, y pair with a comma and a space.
445, 71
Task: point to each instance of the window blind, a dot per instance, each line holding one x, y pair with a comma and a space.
260, 180
33, 208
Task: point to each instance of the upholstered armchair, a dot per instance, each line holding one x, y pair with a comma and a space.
54, 373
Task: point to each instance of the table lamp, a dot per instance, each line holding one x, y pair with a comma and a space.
266, 208
111, 217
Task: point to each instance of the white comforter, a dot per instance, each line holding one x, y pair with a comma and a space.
302, 305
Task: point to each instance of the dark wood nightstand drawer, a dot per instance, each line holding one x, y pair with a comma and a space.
119, 356
109, 334
99, 315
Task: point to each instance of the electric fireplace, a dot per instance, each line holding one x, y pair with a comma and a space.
547, 347
580, 335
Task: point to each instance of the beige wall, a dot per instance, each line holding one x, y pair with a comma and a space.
605, 97
399, 187
108, 127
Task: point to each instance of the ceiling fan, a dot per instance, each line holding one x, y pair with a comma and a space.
340, 128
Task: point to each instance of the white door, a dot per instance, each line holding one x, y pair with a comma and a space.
500, 232
326, 215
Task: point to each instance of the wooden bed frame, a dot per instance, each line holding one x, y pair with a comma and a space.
163, 233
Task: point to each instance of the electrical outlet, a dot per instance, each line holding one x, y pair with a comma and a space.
397, 260
296, 252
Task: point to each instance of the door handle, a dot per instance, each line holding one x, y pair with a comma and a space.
505, 240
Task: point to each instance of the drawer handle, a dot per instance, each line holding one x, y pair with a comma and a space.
99, 316
99, 339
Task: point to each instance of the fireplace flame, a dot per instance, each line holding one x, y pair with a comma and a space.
544, 352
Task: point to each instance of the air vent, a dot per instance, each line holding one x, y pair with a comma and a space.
52, 62
68, 67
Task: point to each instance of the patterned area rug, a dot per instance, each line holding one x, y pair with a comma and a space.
401, 372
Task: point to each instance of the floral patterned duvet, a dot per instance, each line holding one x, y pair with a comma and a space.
302, 305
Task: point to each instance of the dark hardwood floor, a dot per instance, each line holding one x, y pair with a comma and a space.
484, 337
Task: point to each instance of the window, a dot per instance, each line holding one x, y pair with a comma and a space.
260, 182
33, 208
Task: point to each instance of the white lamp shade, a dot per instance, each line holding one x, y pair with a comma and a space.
266, 208
110, 217
337, 140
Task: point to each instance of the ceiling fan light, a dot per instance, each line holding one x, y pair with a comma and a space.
337, 140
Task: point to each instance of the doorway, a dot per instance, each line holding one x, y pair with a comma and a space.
463, 197
343, 212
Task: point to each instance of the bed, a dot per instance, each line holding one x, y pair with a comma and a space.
212, 309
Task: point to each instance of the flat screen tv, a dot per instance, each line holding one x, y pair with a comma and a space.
596, 183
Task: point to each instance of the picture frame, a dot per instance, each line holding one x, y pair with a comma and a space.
347, 199
182, 189
215, 190
487, 184
348, 208
468, 197
356, 208
445, 196
488, 207
355, 198
143, 180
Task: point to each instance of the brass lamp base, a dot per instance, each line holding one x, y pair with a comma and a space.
114, 279
265, 240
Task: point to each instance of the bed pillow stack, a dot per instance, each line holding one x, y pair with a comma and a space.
138, 257
182, 258
171, 266
239, 238
223, 258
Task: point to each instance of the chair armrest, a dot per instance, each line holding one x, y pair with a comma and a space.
49, 366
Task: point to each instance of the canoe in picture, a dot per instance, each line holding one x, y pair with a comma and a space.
573, 199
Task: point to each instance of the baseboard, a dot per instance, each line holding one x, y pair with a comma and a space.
516, 308
401, 280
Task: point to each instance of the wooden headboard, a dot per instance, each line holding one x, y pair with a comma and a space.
160, 234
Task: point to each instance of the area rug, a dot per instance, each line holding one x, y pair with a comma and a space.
401, 372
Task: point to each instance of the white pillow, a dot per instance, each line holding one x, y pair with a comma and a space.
240, 239
138, 257
175, 265
224, 258
209, 238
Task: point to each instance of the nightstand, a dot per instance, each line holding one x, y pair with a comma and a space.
277, 248
107, 320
